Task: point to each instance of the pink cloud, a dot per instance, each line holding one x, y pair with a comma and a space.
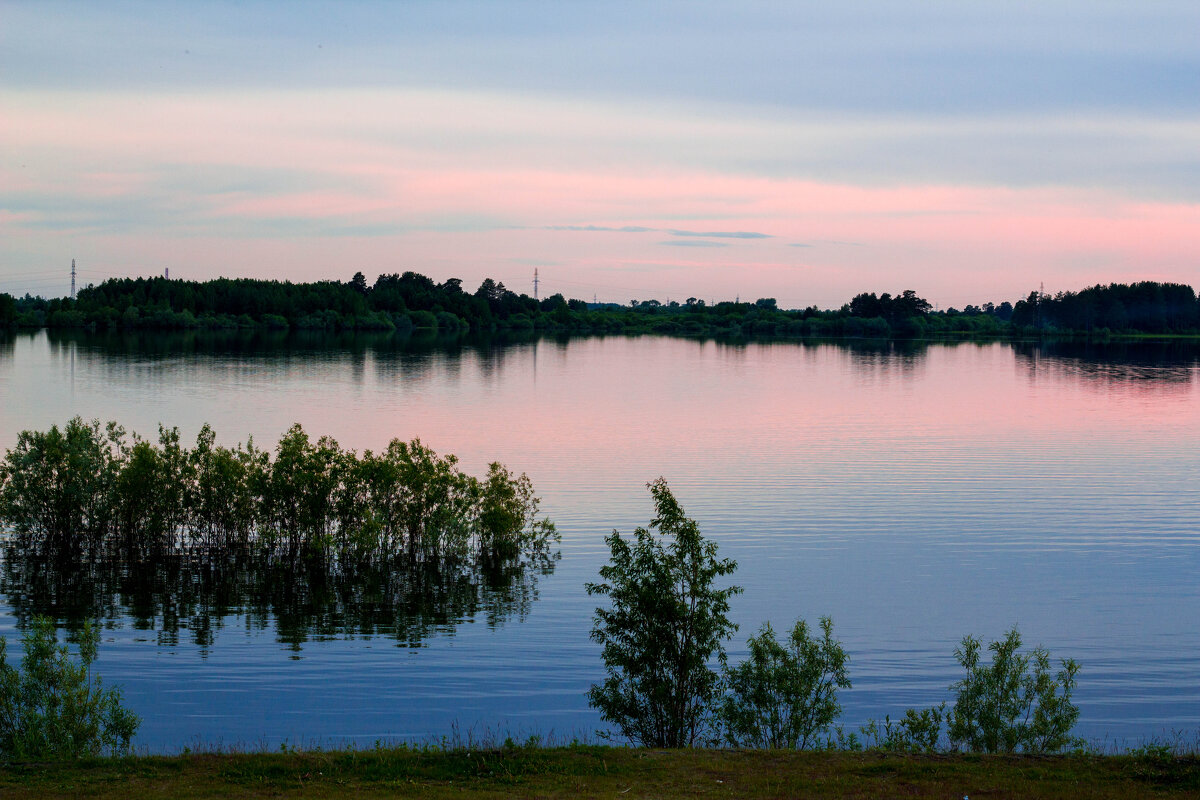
471, 184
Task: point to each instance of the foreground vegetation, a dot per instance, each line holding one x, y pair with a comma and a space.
87, 499
409, 302
310, 539
667, 623
85, 496
591, 771
53, 707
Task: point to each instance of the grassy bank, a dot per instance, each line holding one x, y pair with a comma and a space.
589, 771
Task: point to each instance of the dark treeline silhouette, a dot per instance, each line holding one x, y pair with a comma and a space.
410, 302
321, 539
1145, 307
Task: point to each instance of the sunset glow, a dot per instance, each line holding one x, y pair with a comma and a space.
186, 151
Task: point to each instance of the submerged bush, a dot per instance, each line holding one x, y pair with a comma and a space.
314, 536
60, 484
52, 707
82, 489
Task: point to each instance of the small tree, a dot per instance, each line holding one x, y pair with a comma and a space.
52, 708
1013, 704
785, 696
666, 625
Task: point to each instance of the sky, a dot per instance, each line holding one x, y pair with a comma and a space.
624, 150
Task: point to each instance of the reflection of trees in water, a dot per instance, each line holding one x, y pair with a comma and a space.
901, 354
1158, 366
394, 357
147, 344
877, 356
199, 592
414, 358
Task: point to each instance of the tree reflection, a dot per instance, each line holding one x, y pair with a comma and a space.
193, 595
1158, 366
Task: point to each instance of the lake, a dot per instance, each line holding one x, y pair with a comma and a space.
914, 493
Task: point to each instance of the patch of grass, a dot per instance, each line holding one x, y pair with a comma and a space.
599, 771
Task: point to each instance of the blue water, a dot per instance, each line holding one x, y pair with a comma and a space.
914, 494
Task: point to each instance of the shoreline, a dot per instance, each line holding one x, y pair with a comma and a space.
603, 771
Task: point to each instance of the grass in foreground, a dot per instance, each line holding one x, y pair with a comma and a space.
594, 771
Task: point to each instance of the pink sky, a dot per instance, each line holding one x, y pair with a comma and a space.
723, 199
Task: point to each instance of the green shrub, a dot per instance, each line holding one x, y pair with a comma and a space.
402, 323
507, 511
53, 708
1013, 704
224, 499
785, 697
150, 490
915, 732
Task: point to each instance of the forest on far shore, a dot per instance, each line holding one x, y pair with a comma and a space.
410, 302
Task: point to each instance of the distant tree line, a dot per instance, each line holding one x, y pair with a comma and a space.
1147, 306
410, 302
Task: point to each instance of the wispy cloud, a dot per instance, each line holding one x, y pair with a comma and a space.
535, 262
671, 231
721, 234
600, 228
868, 55
693, 243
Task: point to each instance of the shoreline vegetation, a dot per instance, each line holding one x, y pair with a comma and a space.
413, 304
583, 770
664, 630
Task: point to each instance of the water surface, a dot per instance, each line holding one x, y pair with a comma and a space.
914, 493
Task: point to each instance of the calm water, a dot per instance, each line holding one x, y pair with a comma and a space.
915, 494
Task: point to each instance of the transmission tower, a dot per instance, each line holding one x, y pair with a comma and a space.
72, 279
535, 283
